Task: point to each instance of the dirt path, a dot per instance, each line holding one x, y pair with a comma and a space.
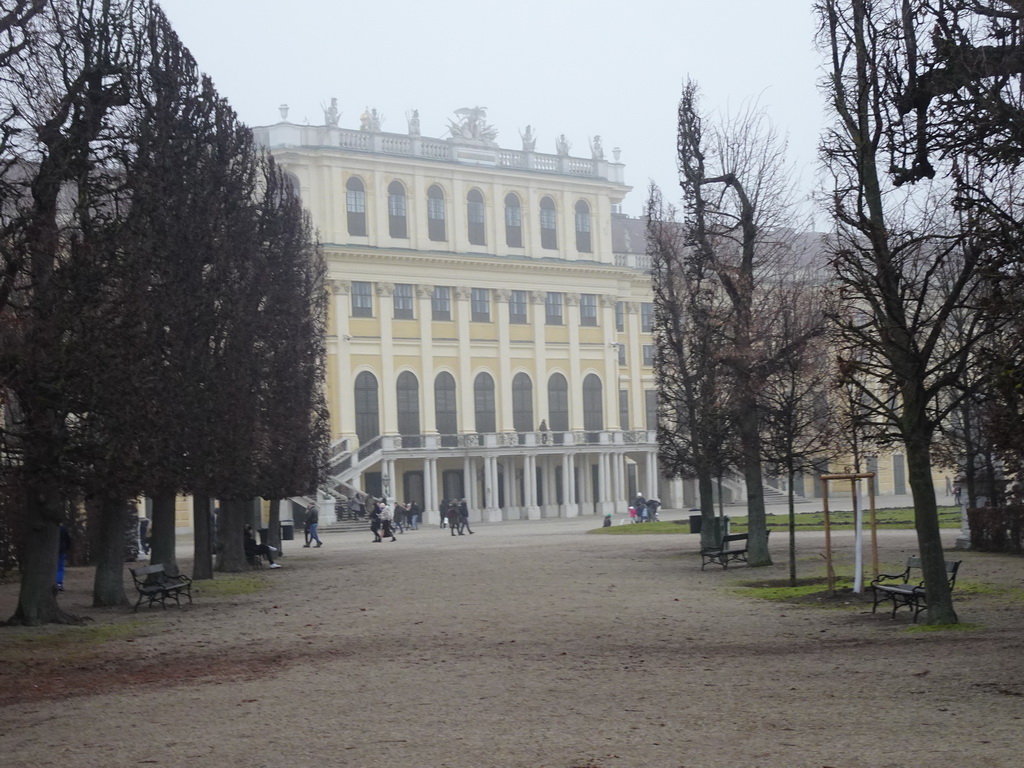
525, 645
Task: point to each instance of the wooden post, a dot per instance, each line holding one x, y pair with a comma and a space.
874, 527
829, 573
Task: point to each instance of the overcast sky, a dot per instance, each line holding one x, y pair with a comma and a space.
578, 67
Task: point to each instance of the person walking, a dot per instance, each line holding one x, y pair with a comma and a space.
375, 524
443, 507
387, 517
414, 514
313, 520
401, 517
144, 534
64, 549
452, 515
464, 517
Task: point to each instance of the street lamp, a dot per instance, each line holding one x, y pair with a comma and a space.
385, 481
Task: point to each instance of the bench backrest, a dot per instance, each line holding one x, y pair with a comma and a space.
147, 570
952, 566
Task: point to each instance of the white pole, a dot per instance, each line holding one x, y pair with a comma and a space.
858, 541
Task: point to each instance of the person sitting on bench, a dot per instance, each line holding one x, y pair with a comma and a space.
252, 549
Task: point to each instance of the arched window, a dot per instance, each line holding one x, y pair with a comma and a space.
475, 217
558, 403
483, 403
355, 204
408, 403
548, 224
583, 227
446, 415
397, 225
522, 403
593, 407
513, 221
367, 407
435, 214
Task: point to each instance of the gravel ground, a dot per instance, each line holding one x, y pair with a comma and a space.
527, 644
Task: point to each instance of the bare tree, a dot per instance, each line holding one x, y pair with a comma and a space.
798, 425
736, 187
911, 260
695, 418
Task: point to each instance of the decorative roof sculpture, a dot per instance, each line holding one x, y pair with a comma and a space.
471, 125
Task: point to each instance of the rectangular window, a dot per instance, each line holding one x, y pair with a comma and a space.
441, 303
362, 299
553, 309
623, 409
622, 354
588, 309
651, 406
620, 316
517, 307
647, 317
480, 303
403, 301
648, 354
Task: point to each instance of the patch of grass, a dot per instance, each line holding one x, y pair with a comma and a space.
230, 585
77, 640
779, 590
961, 627
638, 529
894, 518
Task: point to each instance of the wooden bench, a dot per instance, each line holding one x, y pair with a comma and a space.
725, 552
898, 589
156, 585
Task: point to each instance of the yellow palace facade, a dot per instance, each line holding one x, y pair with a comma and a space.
490, 316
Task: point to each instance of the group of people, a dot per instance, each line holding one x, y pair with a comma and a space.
386, 518
455, 516
643, 510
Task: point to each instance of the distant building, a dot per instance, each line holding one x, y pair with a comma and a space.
489, 332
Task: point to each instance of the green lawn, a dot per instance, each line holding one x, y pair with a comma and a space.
893, 518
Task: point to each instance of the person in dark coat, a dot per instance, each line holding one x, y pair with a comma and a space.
252, 549
464, 517
452, 515
375, 523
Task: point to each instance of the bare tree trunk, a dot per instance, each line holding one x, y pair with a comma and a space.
929, 539
202, 567
750, 445
233, 514
162, 539
274, 534
108, 581
42, 513
709, 525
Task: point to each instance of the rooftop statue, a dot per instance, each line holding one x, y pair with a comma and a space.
596, 150
414, 122
562, 145
529, 140
471, 125
331, 114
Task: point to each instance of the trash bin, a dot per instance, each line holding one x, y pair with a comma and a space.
288, 530
695, 523
264, 535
